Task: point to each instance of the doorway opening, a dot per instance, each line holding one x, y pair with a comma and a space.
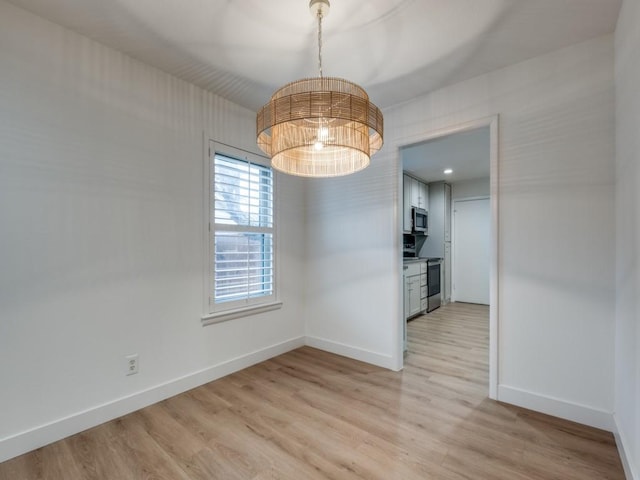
457, 170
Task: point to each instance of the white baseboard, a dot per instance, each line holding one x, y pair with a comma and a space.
37, 437
557, 408
43, 435
630, 471
374, 358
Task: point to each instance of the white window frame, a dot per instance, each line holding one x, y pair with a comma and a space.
220, 312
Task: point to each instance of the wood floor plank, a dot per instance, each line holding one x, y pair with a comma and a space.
139, 453
98, 454
52, 462
312, 415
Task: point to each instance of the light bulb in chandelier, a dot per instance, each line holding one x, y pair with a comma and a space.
320, 127
323, 134
322, 137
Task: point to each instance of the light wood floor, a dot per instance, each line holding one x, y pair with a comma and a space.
312, 415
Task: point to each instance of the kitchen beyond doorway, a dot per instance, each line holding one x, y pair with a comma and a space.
427, 157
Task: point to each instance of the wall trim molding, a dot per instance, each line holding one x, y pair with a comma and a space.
355, 353
630, 472
42, 435
556, 407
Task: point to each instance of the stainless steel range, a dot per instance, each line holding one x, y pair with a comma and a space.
433, 282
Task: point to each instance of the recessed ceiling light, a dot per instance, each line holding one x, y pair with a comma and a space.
448, 171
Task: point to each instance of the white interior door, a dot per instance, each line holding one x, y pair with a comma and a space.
471, 242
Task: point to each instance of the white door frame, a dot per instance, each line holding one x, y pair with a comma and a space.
453, 233
492, 122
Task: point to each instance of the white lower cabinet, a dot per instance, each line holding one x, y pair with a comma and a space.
414, 295
412, 284
415, 288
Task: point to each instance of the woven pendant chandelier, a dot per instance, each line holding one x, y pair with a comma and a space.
320, 127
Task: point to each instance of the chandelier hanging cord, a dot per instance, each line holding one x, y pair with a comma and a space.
320, 41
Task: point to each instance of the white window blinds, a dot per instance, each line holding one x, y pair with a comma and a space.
242, 232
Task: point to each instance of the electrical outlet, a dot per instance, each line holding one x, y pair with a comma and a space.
132, 364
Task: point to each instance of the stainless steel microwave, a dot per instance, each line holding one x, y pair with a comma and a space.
420, 221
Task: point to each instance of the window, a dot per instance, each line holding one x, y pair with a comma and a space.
241, 273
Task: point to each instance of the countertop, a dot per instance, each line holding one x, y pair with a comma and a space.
413, 259
419, 259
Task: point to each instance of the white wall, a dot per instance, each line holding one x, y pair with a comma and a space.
101, 246
476, 187
353, 295
627, 345
556, 194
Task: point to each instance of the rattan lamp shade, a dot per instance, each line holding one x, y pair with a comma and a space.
320, 127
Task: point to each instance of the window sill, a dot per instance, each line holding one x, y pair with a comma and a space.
237, 313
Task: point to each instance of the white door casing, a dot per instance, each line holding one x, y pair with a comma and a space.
493, 123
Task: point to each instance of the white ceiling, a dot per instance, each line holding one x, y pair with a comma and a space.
466, 153
397, 49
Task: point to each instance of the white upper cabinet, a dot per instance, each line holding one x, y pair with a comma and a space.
415, 194
406, 185
419, 193
423, 195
